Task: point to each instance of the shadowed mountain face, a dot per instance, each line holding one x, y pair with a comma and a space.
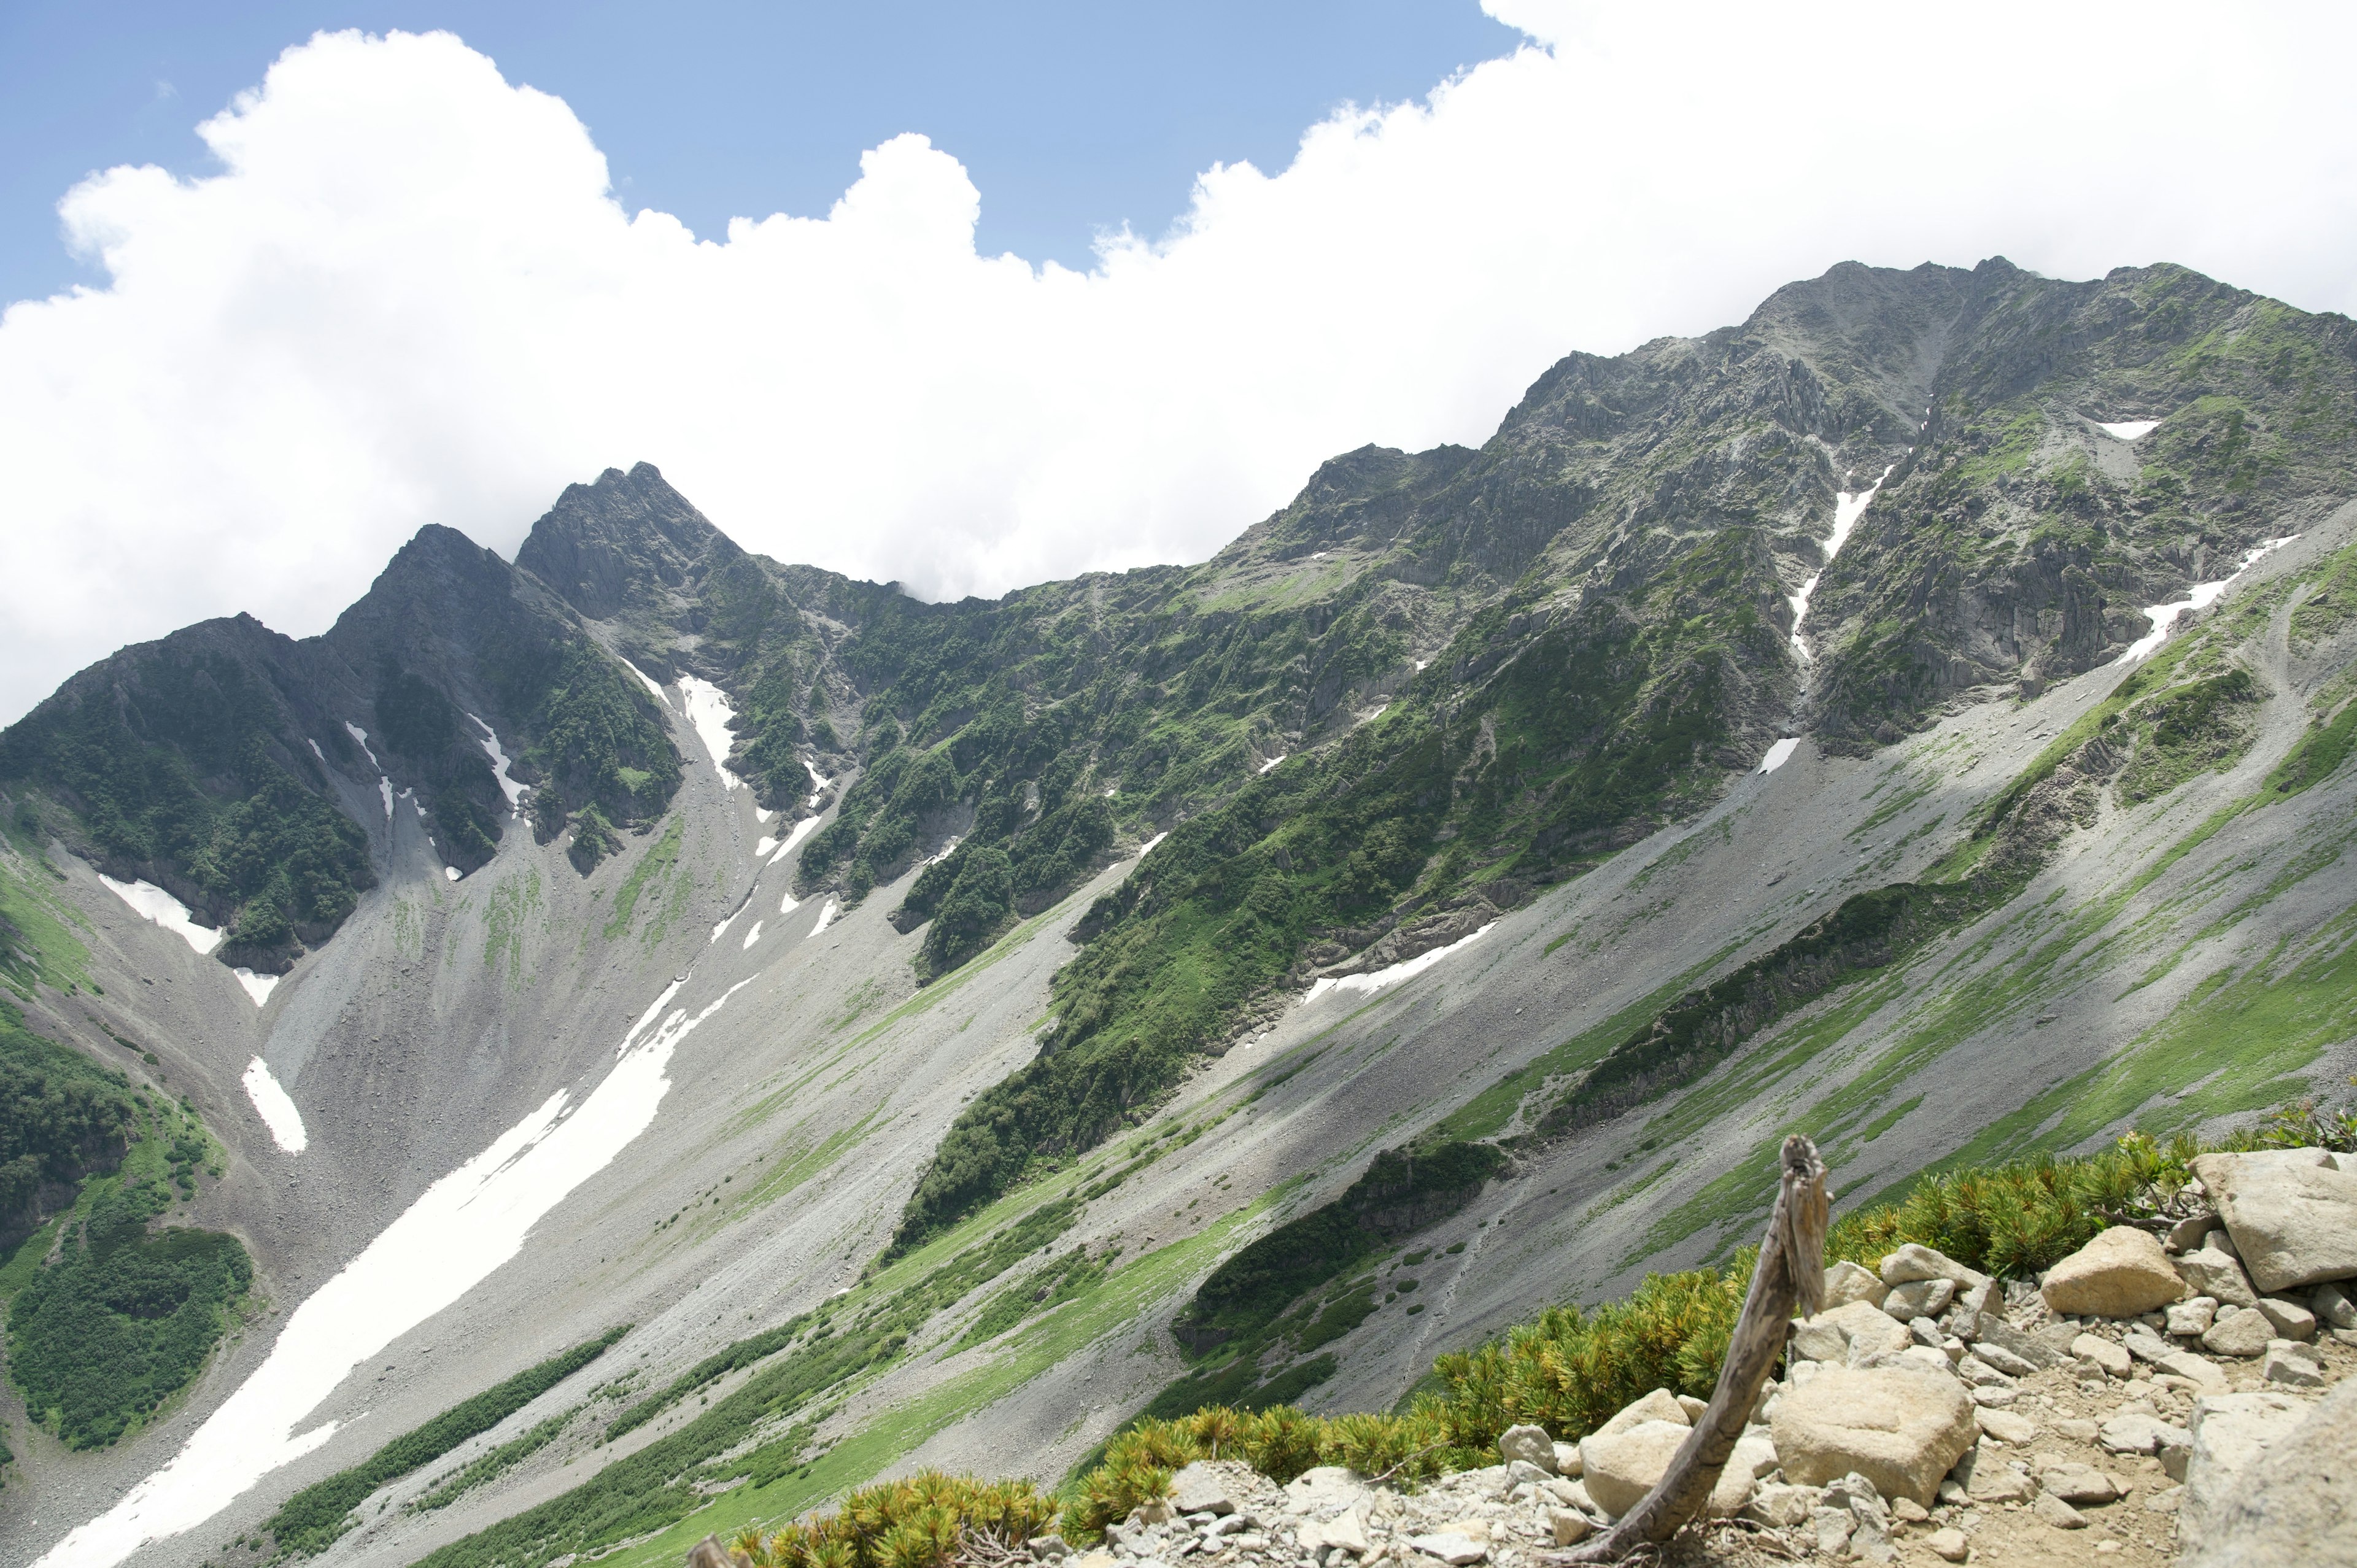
1464, 894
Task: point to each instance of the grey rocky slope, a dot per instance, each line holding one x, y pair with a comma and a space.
1518, 695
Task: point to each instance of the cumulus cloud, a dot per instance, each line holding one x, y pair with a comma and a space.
411, 296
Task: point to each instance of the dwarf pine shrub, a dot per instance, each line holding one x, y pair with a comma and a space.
922, 1521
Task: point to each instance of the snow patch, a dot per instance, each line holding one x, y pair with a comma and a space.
1147, 847
1407, 969
361, 736
275, 1107
764, 817
2129, 429
451, 872
1779, 754
2204, 595
315, 749
1847, 510
826, 917
153, 902
708, 714
1272, 762
949, 848
803, 830
460, 1229
507, 787
258, 986
384, 788
761, 850
820, 782
753, 936
1378, 712
789, 904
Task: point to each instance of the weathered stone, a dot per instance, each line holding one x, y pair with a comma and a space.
1870, 1534
1522, 1473
2231, 1433
1620, 1467
1781, 1506
1994, 1398
1922, 1356
1919, 1298
2192, 1318
2292, 1320
1833, 1528
2241, 1331
2075, 1483
1986, 1479
1995, 1355
1659, 1405
1993, 1329
2006, 1426
1948, 1543
1901, 1429
1572, 1494
2331, 1303
2053, 1510
1915, 1261
1529, 1444
2299, 1506
2121, 1273
2112, 1359
1693, 1407
2292, 1219
1206, 1487
1346, 1531
2187, 1233
1846, 1282
2138, 1432
1323, 1491
1754, 1456
2218, 1274
1450, 1547
2284, 1363
1047, 1548
1570, 1526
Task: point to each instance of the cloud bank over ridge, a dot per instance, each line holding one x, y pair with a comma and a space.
410, 296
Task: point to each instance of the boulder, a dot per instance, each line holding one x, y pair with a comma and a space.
2231, 1433
2006, 1426
1618, 1468
1754, 1457
1659, 1405
1949, 1544
1781, 1506
1325, 1490
1567, 1459
1207, 1486
1529, 1444
2299, 1506
1845, 1335
2294, 1219
2077, 1484
2285, 1363
1993, 1329
2331, 1303
1869, 1536
2239, 1331
1986, 1479
1451, 1547
1570, 1526
1915, 1261
2111, 1357
2053, 1510
1919, 1298
1522, 1473
2292, 1320
1991, 1354
2191, 1319
2123, 1272
1900, 1428
1346, 1531
2134, 1430
2216, 1274
1846, 1282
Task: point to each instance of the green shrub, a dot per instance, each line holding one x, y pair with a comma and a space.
919, 1522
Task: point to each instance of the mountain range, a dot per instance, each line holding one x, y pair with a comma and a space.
783, 1032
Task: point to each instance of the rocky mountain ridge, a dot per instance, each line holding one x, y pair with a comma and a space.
1467, 863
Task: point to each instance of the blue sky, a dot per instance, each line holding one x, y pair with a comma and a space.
1070, 117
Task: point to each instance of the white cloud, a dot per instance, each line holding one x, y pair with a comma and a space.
410, 296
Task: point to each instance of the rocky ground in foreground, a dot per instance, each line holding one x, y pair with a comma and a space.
2146, 1402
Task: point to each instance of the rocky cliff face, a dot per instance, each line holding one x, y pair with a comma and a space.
995, 970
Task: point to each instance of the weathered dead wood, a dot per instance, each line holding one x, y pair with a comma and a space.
1791, 1274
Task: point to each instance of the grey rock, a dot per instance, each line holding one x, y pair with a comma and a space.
1203, 1487
1781, 1506
1521, 1472
2138, 1432
1846, 1282
2230, 1433
2299, 1506
2293, 1218
1531, 1444
2243, 1331
2112, 1359
1994, 1329
2331, 1303
2003, 1360
2284, 1363
2292, 1320
2076, 1484
2192, 1318
1919, 1298
1914, 1263
2053, 1510
2209, 1272
2187, 1233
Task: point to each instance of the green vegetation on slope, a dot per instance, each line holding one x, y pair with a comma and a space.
315, 1518
62, 1118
